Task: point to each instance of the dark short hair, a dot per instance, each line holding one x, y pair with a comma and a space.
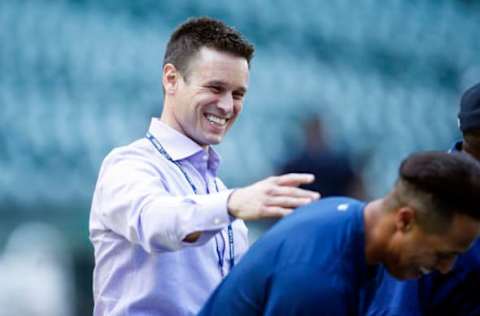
445, 183
469, 114
196, 33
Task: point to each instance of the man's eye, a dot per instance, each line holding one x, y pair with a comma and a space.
238, 96
215, 89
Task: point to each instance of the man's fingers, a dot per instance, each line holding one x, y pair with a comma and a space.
294, 179
287, 202
275, 211
294, 192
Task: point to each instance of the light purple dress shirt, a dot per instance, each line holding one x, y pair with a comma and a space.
143, 207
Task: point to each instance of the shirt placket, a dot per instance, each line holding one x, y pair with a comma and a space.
200, 164
220, 237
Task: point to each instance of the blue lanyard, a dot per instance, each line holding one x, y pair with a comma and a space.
221, 256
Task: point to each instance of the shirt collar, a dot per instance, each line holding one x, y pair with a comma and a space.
179, 146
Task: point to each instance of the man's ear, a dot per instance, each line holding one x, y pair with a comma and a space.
405, 219
170, 79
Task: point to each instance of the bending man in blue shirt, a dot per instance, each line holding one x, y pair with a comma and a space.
323, 259
455, 293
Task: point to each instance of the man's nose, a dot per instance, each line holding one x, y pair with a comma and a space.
226, 103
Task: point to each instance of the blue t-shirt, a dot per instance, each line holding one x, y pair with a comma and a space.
310, 263
456, 293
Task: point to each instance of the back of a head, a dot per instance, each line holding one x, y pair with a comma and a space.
469, 120
469, 114
444, 184
195, 33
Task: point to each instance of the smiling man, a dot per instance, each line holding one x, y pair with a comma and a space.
208, 100
324, 259
164, 227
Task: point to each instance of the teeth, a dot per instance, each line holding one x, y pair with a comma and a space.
425, 270
215, 119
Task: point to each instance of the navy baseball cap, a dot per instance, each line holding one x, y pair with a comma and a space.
469, 115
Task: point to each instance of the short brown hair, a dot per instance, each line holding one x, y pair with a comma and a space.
439, 185
196, 33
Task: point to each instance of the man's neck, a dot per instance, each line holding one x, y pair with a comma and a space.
375, 241
169, 120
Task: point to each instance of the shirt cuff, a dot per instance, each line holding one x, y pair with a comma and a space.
214, 211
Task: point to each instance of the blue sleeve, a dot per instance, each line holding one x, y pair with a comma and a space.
306, 290
457, 292
394, 297
231, 298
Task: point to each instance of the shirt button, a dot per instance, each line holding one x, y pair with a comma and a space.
205, 157
216, 221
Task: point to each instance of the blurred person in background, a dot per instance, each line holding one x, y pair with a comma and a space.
36, 272
334, 174
164, 228
323, 259
457, 292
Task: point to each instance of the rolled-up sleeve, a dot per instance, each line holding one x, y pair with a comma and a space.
133, 198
